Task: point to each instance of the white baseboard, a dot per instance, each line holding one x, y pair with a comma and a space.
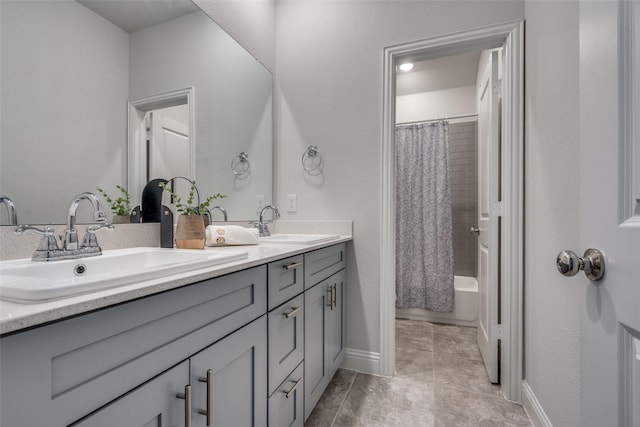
367, 362
533, 407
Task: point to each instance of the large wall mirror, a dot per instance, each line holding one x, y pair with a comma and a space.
75, 73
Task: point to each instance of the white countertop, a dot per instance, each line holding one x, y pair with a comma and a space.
15, 316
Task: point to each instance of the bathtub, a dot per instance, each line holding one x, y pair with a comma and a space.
465, 310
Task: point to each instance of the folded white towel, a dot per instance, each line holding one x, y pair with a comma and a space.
223, 235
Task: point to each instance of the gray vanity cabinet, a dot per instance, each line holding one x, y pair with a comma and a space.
154, 403
58, 374
324, 322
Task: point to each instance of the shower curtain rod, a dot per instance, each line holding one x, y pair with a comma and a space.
462, 116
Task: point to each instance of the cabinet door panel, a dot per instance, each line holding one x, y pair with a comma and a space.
152, 404
286, 340
238, 390
336, 323
286, 404
315, 369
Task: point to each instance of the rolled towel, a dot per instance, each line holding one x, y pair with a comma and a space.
223, 235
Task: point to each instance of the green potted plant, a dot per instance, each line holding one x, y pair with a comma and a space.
190, 228
120, 206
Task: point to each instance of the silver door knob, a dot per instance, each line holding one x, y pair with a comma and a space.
592, 263
475, 231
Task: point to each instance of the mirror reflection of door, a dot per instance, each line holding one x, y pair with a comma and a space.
167, 142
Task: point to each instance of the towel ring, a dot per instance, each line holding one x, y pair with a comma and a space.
240, 164
311, 159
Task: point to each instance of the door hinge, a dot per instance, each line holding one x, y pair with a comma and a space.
497, 87
497, 208
498, 329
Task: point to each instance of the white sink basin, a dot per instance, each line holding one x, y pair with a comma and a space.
30, 281
298, 239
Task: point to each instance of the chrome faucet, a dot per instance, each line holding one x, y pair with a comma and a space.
263, 227
49, 250
11, 209
70, 239
221, 209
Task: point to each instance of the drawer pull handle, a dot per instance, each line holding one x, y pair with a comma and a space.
293, 311
187, 404
287, 394
330, 298
292, 266
209, 381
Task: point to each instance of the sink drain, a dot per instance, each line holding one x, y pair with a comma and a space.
79, 269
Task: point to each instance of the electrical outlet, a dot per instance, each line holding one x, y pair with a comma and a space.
259, 203
292, 203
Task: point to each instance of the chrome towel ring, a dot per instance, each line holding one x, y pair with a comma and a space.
240, 164
311, 159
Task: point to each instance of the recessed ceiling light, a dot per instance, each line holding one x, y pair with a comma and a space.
407, 66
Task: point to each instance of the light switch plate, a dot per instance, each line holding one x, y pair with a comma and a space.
292, 203
259, 203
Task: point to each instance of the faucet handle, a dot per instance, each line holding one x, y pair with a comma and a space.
94, 228
48, 244
21, 229
90, 240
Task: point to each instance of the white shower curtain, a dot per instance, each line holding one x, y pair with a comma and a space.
424, 234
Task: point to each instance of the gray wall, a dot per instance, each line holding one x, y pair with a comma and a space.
552, 316
463, 159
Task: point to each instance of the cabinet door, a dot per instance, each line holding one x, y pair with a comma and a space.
335, 318
155, 403
316, 376
237, 388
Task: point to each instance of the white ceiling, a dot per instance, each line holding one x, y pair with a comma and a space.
439, 74
134, 15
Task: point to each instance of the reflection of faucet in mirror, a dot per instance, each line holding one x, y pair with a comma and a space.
221, 209
263, 227
11, 210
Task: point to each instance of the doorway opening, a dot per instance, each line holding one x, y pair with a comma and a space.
508, 210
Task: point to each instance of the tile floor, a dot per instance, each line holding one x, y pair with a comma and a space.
440, 382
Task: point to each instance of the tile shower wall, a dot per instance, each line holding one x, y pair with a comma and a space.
463, 157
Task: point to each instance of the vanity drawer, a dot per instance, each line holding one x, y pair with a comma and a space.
286, 405
286, 340
320, 264
64, 370
286, 280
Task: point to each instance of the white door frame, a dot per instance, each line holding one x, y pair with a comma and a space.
511, 35
136, 133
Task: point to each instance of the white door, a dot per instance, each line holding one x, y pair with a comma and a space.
168, 148
488, 179
609, 217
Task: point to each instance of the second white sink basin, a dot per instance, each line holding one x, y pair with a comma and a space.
299, 239
30, 281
